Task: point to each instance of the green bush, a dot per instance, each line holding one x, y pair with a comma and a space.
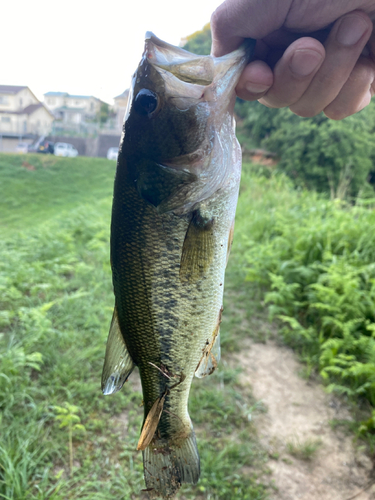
316, 258
328, 156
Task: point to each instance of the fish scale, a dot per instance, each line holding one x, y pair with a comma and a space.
175, 196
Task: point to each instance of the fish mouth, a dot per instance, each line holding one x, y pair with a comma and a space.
193, 68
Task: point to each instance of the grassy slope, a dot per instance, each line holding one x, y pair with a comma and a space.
35, 188
55, 307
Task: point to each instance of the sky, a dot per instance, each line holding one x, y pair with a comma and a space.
88, 48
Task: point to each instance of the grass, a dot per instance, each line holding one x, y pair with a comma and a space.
36, 187
312, 260
55, 307
303, 450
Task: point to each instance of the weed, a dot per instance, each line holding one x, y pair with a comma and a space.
303, 450
314, 258
56, 302
67, 416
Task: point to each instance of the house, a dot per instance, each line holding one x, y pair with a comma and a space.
21, 113
72, 109
121, 102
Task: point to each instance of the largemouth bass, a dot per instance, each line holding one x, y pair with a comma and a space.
174, 203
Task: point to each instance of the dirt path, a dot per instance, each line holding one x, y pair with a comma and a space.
299, 414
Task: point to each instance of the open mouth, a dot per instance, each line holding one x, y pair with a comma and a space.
185, 66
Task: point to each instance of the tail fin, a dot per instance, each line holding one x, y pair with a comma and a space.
168, 465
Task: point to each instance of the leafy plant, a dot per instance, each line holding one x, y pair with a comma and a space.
67, 416
315, 259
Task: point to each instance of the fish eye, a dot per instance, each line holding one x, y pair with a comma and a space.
145, 102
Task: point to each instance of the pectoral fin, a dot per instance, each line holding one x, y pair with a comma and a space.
198, 248
151, 423
118, 364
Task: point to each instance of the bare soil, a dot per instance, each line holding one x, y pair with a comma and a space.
299, 412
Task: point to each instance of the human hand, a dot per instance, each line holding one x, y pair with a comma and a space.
331, 70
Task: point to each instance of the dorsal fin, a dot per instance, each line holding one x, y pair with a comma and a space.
118, 364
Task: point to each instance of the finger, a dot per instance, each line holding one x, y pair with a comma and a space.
255, 81
343, 48
294, 72
356, 93
235, 20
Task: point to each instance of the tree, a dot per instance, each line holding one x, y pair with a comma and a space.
323, 154
200, 41
103, 113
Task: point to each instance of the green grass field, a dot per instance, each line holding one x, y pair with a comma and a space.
35, 188
55, 308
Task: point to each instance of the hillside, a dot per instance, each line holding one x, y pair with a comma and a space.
35, 188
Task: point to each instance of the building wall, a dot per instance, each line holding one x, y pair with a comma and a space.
53, 102
14, 124
40, 122
10, 102
24, 99
9, 144
120, 108
90, 105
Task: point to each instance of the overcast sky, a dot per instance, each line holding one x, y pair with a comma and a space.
88, 48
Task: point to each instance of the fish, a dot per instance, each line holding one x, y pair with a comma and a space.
175, 194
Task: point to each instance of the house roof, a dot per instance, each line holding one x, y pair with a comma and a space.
55, 94
73, 96
82, 96
68, 109
123, 95
11, 89
29, 110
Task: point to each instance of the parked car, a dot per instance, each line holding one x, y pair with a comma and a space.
112, 153
22, 147
65, 149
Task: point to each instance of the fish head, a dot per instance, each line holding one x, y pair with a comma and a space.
177, 106
168, 115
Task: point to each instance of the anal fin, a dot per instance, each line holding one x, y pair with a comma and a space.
118, 364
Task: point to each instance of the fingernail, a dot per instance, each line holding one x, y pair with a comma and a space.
304, 62
256, 88
351, 30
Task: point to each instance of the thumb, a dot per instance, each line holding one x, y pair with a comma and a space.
235, 20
